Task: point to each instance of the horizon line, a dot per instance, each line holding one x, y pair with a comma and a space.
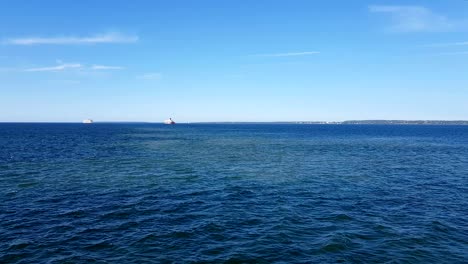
227, 122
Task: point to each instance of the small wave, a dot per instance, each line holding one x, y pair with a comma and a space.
27, 184
102, 245
338, 218
19, 244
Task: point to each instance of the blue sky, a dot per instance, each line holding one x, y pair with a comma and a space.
260, 60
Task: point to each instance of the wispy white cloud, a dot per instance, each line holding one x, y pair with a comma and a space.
73, 40
72, 66
418, 19
60, 67
288, 54
104, 67
150, 76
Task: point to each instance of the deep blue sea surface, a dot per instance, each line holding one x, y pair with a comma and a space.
148, 193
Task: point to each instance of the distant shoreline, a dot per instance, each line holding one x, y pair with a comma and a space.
355, 122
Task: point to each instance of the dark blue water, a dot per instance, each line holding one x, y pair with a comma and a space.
143, 193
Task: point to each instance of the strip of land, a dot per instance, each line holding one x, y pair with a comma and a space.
358, 122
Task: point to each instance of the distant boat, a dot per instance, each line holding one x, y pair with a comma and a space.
169, 121
87, 121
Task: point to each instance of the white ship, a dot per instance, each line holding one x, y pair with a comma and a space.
169, 121
87, 121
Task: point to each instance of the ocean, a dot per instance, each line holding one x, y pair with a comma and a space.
234, 193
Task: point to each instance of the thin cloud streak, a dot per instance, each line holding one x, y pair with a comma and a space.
407, 18
70, 66
288, 54
61, 67
72, 40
